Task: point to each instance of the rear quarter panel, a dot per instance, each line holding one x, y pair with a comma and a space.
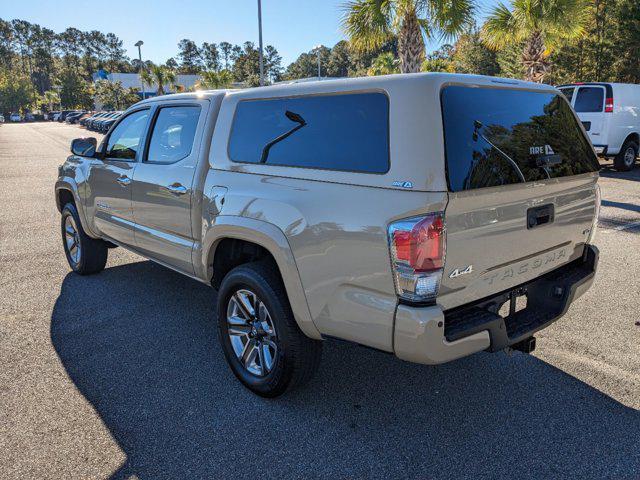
338, 237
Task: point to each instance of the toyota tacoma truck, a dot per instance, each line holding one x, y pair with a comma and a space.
431, 216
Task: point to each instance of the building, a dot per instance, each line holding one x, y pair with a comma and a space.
132, 80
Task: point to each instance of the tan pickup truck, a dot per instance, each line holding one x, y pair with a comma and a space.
430, 216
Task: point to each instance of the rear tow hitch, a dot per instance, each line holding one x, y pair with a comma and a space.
527, 345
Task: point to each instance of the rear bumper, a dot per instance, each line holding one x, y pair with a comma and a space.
429, 335
600, 149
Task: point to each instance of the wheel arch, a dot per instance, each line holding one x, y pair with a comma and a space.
66, 189
634, 136
265, 238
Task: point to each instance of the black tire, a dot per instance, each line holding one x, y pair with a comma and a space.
626, 158
92, 256
297, 356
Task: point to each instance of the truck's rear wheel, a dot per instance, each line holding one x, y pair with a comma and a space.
85, 255
261, 340
626, 159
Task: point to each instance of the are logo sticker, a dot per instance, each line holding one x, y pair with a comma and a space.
541, 150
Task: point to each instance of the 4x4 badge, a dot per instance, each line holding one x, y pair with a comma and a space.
459, 272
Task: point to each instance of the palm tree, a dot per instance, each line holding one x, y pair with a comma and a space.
51, 98
384, 64
370, 23
160, 76
214, 80
541, 25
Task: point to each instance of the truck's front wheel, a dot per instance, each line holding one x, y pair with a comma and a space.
85, 255
261, 340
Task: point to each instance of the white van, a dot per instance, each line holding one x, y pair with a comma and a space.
610, 113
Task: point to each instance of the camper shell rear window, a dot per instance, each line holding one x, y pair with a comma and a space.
501, 136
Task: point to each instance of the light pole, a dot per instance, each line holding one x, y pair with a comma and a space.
317, 49
260, 42
138, 44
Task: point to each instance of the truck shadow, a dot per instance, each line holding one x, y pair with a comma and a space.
607, 170
139, 342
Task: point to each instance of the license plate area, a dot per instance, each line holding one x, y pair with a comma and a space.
518, 301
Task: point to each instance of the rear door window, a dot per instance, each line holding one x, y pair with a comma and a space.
496, 136
348, 132
173, 134
589, 99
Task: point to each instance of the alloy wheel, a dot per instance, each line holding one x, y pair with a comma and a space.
252, 332
72, 239
629, 156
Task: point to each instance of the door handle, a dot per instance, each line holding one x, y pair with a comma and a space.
177, 189
123, 180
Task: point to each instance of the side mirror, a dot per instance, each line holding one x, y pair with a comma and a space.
84, 147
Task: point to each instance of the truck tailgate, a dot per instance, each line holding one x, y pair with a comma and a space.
491, 247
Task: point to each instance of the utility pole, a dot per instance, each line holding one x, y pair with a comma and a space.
138, 44
317, 49
260, 42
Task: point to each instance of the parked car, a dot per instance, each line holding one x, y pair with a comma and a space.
74, 117
85, 121
1, 118
105, 125
93, 124
610, 113
323, 210
63, 115
15, 117
29, 117
98, 124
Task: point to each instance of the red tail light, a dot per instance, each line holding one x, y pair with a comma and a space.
422, 247
417, 253
608, 105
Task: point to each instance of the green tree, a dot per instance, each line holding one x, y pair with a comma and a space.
16, 92
246, 65
116, 59
160, 77
370, 23
190, 56
210, 56
50, 99
627, 34
339, 60
6, 47
225, 50
440, 60
541, 25
470, 55
114, 95
384, 64
215, 80
75, 91
306, 65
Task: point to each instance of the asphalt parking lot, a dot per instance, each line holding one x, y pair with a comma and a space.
119, 375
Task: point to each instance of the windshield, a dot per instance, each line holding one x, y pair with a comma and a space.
496, 136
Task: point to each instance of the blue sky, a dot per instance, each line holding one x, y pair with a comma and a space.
291, 26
